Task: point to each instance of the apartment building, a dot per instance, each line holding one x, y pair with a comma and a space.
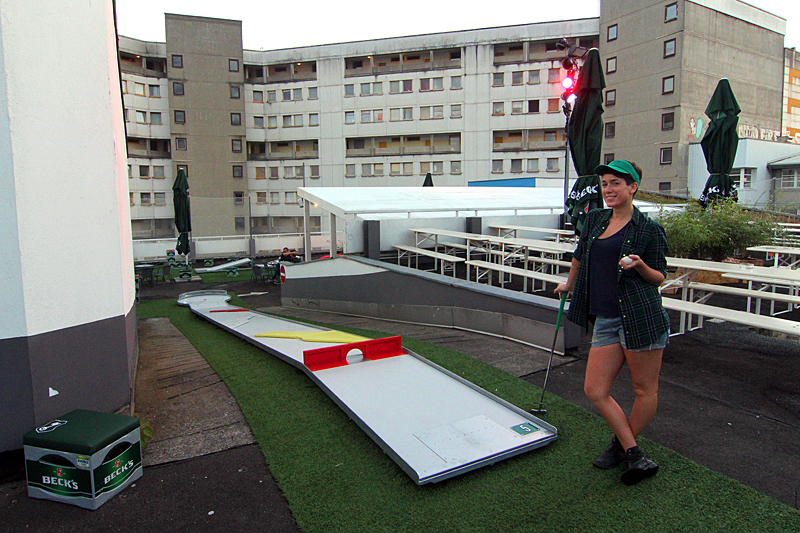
791, 94
250, 127
663, 60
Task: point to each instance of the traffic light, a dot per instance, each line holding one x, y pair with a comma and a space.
570, 85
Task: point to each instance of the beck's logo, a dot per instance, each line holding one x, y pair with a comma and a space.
120, 470
60, 472
50, 426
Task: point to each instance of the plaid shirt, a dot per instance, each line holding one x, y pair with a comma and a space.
644, 320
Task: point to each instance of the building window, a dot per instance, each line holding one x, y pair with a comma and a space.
238, 223
144, 171
349, 117
532, 165
236, 119
258, 122
611, 65
180, 143
790, 178
455, 167
366, 169
258, 97
238, 197
138, 89
124, 86
261, 173
533, 106
272, 122
497, 166
366, 89
608, 158
554, 75
666, 156
664, 187
550, 136
611, 97
275, 197
238, 171
553, 105
315, 171
455, 82
261, 197
177, 88
498, 79
349, 90
155, 91
431, 84
155, 118
611, 33
671, 12
517, 78
273, 173
366, 115
236, 91
312, 93
158, 172
668, 121
177, 61
497, 109
377, 88
233, 65
272, 96
141, 117
350, 171
552, 164
400, 86
290, 197
516, 166
455, 111
236, 145
743, 178
517, 107
669, 48
131, 198
611, 129
313, 119
668, 85
533, 76
144, 198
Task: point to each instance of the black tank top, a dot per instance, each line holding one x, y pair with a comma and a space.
603, 284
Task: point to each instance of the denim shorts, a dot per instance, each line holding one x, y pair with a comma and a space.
609, 331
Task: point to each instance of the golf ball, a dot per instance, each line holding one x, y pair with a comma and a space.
627, 260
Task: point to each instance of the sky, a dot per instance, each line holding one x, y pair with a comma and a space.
273, 25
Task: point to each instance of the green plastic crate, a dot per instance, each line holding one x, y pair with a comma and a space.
83, 458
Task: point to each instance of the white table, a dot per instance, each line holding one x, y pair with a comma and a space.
791, 254
511, 231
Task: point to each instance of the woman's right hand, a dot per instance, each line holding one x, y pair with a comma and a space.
562, 288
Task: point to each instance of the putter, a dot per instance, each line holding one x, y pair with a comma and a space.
541, 411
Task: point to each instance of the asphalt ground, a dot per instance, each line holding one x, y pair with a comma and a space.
729, 399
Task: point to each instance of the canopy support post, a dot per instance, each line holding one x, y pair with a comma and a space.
307, 230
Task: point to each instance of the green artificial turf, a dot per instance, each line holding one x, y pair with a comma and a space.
338, 480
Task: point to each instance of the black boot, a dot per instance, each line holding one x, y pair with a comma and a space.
612, 457
639, 467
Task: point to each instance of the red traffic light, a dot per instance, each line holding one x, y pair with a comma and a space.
570, 85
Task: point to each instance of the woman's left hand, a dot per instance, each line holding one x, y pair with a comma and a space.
635, 261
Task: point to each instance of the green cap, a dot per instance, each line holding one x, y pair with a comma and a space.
619, 166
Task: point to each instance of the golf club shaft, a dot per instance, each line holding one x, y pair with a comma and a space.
553, 349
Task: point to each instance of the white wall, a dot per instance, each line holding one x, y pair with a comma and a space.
62, 148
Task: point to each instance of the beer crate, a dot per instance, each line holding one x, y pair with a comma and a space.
83, 458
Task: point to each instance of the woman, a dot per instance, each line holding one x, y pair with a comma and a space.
616, 270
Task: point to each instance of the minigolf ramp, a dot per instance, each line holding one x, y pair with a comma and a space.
431, 422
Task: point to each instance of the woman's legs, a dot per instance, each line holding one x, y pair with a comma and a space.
645, 368
602, 368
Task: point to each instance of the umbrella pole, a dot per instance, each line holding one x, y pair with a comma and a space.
567, 109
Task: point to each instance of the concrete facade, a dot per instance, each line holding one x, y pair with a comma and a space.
663, 60
65, 343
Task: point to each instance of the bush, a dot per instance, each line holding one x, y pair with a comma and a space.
723, 229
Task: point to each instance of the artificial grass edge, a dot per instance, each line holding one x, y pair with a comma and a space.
352, 463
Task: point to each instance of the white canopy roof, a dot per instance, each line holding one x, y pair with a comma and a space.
351, 202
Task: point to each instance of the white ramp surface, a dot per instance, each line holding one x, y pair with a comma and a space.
434, 424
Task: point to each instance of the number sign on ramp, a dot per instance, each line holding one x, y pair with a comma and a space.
432, 423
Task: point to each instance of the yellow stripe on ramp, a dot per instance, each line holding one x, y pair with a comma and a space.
315, 336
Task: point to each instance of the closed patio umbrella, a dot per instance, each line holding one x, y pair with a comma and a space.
428, 180
720, 143
183, 217
585, 136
